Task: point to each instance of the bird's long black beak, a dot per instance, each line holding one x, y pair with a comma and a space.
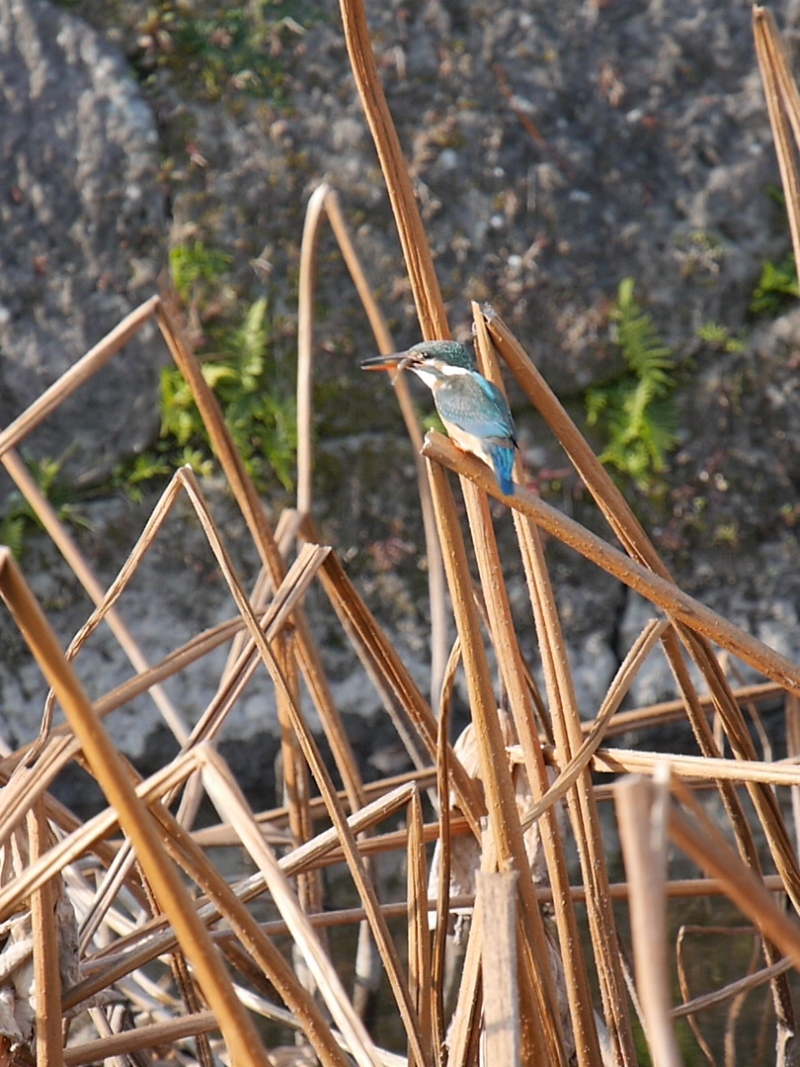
389, 362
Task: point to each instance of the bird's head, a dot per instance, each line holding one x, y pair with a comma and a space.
438, 358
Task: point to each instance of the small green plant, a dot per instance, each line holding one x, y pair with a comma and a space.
634, 411
777, 286
255, 398
18, 518
220, 49
719, 337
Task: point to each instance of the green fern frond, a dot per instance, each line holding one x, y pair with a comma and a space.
634, 412
777, 285
12, 533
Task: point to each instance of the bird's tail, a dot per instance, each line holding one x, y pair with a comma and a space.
503, 463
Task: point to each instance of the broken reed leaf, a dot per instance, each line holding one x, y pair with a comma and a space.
80, 372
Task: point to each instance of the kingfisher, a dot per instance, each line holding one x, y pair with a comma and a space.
473, 410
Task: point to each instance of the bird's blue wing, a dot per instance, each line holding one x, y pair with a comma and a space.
475, 405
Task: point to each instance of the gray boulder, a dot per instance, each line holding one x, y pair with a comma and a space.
81, 227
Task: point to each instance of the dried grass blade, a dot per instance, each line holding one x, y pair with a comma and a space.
47, 976
661, 592
107, 767
641, 818
495, 773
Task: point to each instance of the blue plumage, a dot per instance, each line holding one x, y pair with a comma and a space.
473, 410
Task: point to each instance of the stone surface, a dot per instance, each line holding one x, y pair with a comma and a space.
634, 142
82, 233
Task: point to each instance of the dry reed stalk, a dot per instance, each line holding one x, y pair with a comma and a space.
254, 515
667, 711
536, 983
641, 807
47, 977
659, 591
417, 255
143, 1037
732, 989
62, 748
370, 639
153, 938
305, 340
629, 530
703, 843
735, 991
498, 895
418, 938
464, 1035
107, 767
353, 624
783, 107
619, 760
436, 582
510, 664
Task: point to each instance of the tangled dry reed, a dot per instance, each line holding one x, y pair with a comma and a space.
164, 953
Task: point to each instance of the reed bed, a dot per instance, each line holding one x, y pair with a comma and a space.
124, 923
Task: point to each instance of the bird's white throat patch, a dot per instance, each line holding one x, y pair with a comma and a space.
436, 369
